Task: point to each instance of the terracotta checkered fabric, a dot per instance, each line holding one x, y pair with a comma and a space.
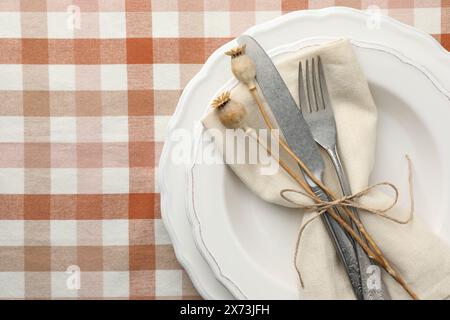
86, 90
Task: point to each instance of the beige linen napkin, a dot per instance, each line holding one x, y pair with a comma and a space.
421, 257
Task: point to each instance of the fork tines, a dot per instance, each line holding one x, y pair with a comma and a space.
313, 93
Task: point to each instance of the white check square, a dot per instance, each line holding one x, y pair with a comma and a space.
428, 20
61, 77
161, 235
164, 24
60, 25
63, 232
161, 124
116, 180
116, 284
64, 181
61, 285
166, 76
217, 24
11, 233
10, 25
113, 25
12, 180
263, 16
11, 76
114, 77
115, 129
13, 285
63, 129
115, 232
168, 283
11, 129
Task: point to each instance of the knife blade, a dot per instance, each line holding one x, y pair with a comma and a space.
283, 106
299, 138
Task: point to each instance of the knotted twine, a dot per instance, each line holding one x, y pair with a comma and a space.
350, 201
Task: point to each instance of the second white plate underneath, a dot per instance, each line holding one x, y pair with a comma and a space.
330, 22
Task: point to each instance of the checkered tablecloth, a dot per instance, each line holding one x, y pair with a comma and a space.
86, 90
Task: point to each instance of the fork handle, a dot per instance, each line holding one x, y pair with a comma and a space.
373, 287
343, 244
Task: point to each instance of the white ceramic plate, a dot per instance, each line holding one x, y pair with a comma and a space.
403, 49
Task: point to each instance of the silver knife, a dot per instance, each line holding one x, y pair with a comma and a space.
299, 139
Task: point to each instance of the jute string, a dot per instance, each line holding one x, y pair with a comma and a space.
350, 201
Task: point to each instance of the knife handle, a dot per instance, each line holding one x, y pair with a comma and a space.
343, 244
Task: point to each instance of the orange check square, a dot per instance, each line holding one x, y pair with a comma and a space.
141, 206
34, 51
139, 51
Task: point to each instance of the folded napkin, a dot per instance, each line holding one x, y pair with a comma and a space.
421, 257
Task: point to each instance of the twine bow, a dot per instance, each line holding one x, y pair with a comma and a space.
350, 201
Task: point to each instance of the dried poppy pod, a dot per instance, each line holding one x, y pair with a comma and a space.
242, 66
231, 113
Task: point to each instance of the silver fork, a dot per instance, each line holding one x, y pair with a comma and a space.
317, 110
